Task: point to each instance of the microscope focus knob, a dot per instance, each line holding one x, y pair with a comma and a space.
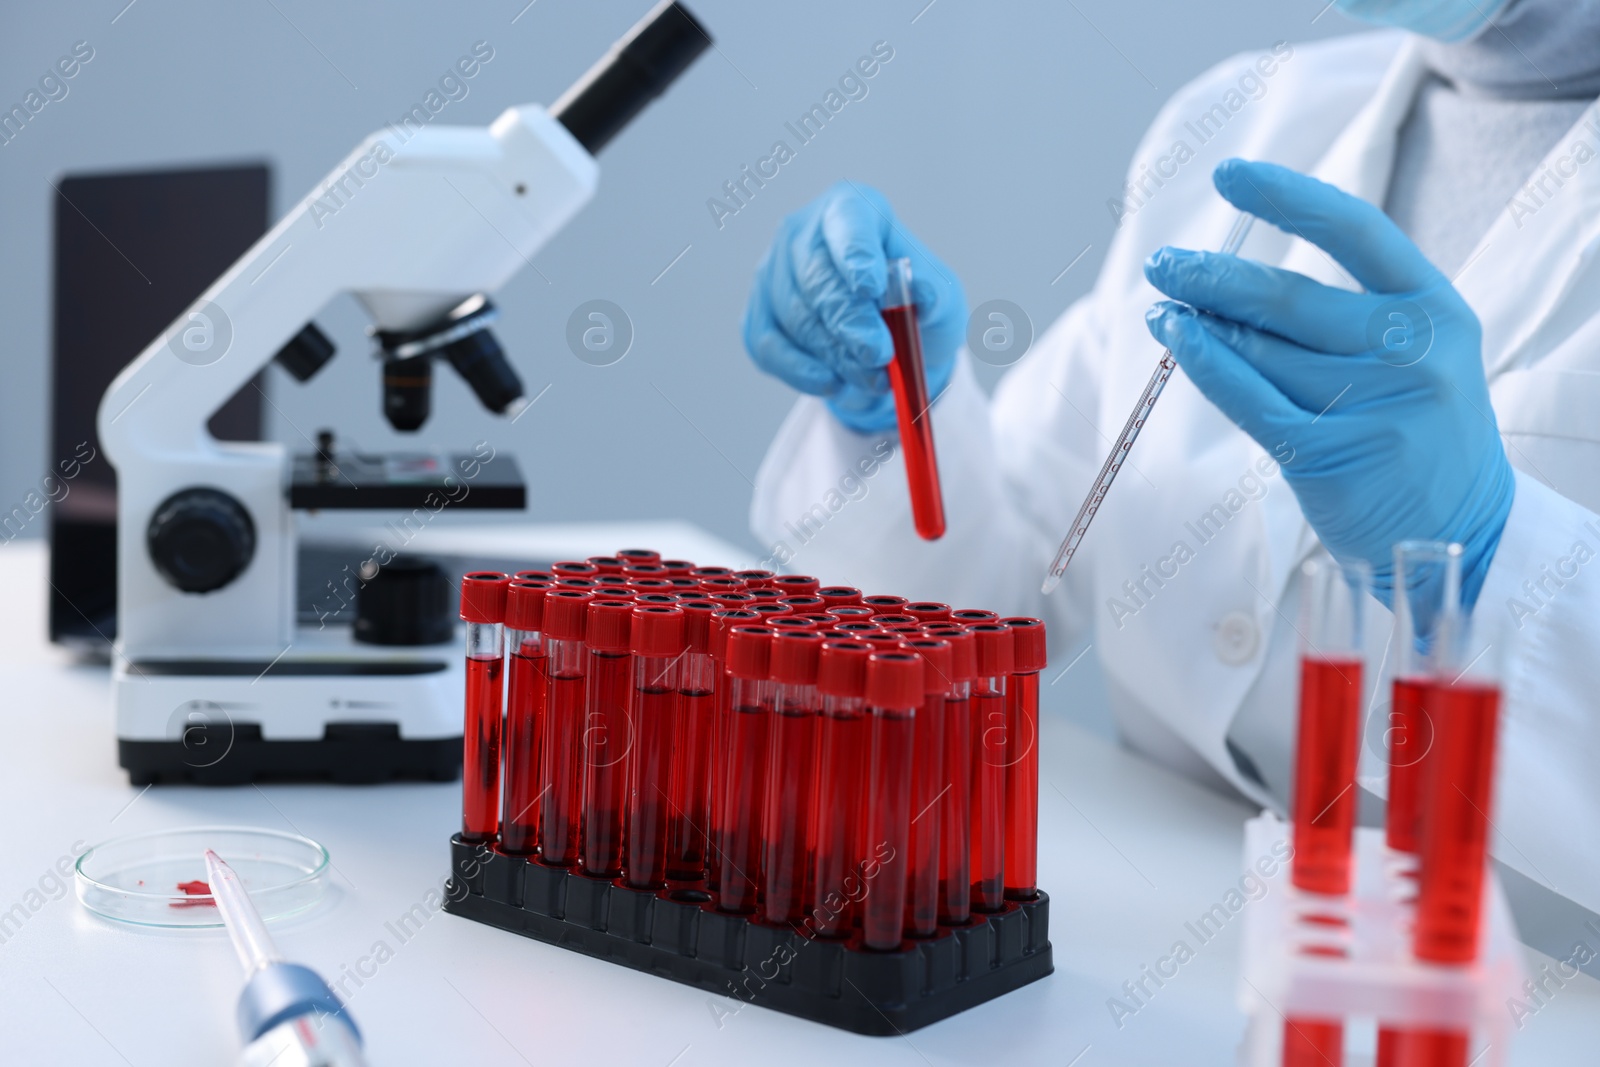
200, 539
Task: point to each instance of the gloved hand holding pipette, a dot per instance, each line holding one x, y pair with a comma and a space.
1381, 394
813, 319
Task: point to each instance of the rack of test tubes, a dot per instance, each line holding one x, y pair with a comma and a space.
1402, 930
789, 794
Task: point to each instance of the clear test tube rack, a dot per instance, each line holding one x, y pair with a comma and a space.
1296, 963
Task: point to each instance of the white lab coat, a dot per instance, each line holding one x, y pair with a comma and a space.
1201, 646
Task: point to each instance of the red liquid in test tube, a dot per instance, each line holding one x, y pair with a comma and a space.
609, 734
566, 613
989, 719
791, 777
894, 690
483, 607
527, 692
1022, 758
908, 379
722, 621
955, 823
744, 791
658, 646
1325, 773
928, 786
844, 742
693, 747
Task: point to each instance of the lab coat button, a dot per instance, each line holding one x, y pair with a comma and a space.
1236, 639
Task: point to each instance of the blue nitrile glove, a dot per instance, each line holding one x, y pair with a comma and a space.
1381, 394
813, 317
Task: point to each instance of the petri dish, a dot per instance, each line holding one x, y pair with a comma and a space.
158, 878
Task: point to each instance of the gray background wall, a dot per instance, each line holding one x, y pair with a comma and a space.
998, 129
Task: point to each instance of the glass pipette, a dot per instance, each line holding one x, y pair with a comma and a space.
1129, 434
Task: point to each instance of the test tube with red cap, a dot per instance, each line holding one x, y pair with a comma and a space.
483, 609
574, 568
993, 645
927, 786
899, 618
1333, 599
694, 746
912, 404
677, 568
764, 593
838, 596
566, 614
658, 646
744, 791
704, 573
928, 611
790, 624
850, 612
955, 825
754, 579
894, 691
791, 776
608, 734
973, 616
721, 585
534, 576
630, 556
796, 584
769, 609
1427, 586
844, 744
804, 602
1022, 758
885, 603
722, 621
527, 692
607, 564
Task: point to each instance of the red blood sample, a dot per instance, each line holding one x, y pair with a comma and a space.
1022, 758
658, 646
483, 607
722, 621
928, 611
608, 735
527, 692
565, 623
994, 661
195, 888
839, 596
1455, 833
843, 746
1410, 740
911, 404
693, 748
791, 776
955, 825
744, 792
1324, 803
1312, 1043
928, 784
894, 690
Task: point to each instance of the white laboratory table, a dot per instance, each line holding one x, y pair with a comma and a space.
1129, 854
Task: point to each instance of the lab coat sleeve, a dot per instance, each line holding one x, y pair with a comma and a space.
833, 503
1538, 615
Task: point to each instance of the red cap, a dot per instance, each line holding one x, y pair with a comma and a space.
796, 584
659, 599
725, 619
850, 612
804, 602
606, 564
525, 603
885, 603
963, 652
693, 594
794, 656
610, 623
658, 630
837, 635
650, 585
969, 616
840, 595
680, 582
1027, 644
860, 626
644, 570
754, 579
637, 555
842, 668
697, 624
483, 596
711, 572
535, 576
721, 585
677, 567
823, 619
880, 640
904, 629
938, 662
928, 611
790, 623
764, 593
574, 582
574, 568
566, 614
749, 652
733, 598
994, 648
896, 619
768, 609
894, 680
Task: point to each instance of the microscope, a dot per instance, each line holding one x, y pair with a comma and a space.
214, 679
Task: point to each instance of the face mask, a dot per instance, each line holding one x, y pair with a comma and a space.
1443, 20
